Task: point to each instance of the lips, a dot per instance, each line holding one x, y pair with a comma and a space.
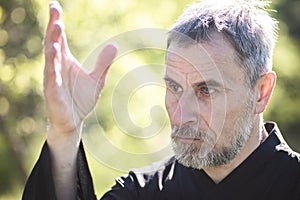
188, 134
187, 140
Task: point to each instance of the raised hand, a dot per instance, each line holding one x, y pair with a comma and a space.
70, 92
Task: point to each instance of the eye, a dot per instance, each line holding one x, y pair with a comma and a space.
206, 91
173, 86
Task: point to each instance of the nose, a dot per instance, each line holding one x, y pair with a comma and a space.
187, 110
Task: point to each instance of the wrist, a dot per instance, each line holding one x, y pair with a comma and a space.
63, 137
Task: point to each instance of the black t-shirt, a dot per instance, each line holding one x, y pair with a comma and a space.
272, 171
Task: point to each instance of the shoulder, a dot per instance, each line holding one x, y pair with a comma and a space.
151, 176
154, 173
280, 146
291, 156
142, 183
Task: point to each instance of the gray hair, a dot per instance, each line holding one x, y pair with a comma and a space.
245, 23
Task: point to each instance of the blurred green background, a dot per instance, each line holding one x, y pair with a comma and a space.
88, 23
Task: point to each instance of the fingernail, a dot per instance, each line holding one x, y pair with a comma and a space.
55, 5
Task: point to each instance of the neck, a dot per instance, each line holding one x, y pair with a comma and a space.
258, 135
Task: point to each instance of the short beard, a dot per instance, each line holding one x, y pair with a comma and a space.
206, 155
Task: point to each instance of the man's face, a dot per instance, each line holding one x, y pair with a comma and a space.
208, 102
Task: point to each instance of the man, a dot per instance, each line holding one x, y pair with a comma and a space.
219, 81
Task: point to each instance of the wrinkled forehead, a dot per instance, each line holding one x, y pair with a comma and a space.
188, 59
215, 59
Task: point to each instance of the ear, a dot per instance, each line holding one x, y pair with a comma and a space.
265, 86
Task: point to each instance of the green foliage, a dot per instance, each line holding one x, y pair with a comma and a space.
88, 24
20, 96
289, 13
284, 107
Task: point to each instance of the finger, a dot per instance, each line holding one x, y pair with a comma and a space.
50, 50
52, 38
56, 35
53, 50
52, 57
55, 15
64, 44
104, 61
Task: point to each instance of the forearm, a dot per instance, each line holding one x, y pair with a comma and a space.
63, 150
70, 94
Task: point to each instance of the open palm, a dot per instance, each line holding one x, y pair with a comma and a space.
70, 92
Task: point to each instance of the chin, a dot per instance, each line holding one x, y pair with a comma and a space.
199, 158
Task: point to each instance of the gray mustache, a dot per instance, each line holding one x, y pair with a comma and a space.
188, 131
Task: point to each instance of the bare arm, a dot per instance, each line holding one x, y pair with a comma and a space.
70, 94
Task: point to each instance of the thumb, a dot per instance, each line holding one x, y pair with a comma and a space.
105, 59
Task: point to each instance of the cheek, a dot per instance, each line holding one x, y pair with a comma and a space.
172, 106
193, 110
235, 109
216, 115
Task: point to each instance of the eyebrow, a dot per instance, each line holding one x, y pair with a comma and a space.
211, 83
169, 79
